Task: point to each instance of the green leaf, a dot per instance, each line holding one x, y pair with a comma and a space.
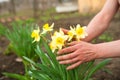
20, 37
29, 60
97, 67
85, 69
50, 53
50, 71
15, 76
39, 75
43, 56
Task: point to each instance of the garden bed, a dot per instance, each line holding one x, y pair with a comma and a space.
8, 62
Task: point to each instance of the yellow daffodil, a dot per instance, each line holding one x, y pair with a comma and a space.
71, 33
47, 28
36, 35
58, 40
53, 47
80, 32
59, 34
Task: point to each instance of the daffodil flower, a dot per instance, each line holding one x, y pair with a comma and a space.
80, 32
36, 35
53, 47
58, 40
47, 28
71, 33
59, 34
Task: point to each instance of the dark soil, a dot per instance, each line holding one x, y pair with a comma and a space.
8, 62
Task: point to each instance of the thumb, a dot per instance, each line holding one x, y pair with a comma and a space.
64, 30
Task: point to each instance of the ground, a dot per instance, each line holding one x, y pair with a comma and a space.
8, 63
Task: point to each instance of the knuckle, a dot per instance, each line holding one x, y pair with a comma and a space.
77, 58
70, 55
72, 60
64, 57
63, 51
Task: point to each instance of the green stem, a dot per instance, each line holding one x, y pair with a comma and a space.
26, 68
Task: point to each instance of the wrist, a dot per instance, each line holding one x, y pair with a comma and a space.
100, 51
108, 50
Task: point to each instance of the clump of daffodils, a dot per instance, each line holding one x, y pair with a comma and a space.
59, 38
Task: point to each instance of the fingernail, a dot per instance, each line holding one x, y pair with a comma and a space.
60, 62
57, 58
67, 68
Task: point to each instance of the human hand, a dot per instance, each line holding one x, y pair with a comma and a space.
79, 52
64, 30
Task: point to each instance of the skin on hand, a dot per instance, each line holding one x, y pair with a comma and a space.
79, 52
64, 30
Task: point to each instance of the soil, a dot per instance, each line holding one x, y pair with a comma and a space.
8, 63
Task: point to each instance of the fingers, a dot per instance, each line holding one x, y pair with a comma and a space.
67, 56
73, 43
70, 61
64, 30
66, 50
72, 47
74, 65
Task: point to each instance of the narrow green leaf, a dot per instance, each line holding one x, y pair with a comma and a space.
97, 67
29, 60
50, 53
15, 76
86, 68
37, 75
49, 71
43, 56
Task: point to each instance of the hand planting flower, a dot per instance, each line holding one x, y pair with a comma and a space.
59, 38
49, 68
42, 57
79, 52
